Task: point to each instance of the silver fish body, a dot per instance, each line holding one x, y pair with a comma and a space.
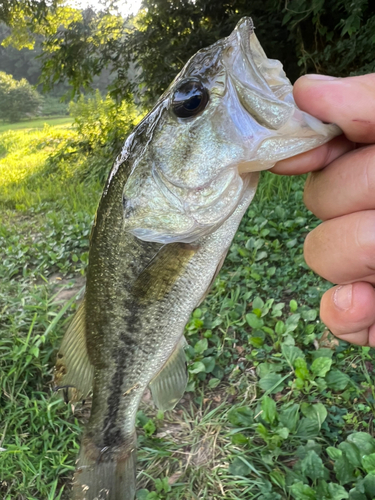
168, 214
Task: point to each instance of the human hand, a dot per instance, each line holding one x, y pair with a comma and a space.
341, 192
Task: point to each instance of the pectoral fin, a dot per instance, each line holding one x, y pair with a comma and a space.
73, 370
169, 385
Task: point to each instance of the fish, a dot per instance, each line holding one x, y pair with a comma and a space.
166, 219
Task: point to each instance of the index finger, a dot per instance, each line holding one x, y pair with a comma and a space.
348, 102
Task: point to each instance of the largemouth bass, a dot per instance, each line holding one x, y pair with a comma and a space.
169, 211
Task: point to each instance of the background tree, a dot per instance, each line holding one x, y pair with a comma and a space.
145, 52
18, 99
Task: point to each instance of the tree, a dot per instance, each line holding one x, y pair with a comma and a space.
33, 9
18, 99
145, 52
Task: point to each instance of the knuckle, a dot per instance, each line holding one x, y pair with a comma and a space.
364, 238
368, 162
309, 249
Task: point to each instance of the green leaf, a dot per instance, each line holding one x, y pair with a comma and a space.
352, 453
324, 352
310, 314
153, 495
162, 485
142, 494
336, 492
260, 256
271, 271
302, 491
289, 416
241, 417
283, 432
291, 353
293, 305
201, 346
300, 369
278, 478
214, 382
197, 367
257, 338
369, 485
315, 411
368, 462
307, 428
149, 428
337, 380
333, 453
239, 439
321, 367
344, 470
239, 468
280, 327
271, 382
269, 410
356, 494
209, 363
218, 372
254, 321
258, 303
291, 243
292, 322
312, 466
363, 441
262, 431
311, 445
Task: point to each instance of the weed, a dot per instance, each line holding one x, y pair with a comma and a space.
275, 408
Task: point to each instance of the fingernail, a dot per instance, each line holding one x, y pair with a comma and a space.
320, 77
343, 297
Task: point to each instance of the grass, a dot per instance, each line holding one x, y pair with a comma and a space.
275, 408
53, 121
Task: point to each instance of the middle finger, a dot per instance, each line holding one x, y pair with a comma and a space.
342, 249
345, 186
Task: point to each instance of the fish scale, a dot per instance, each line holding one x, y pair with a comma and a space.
169, 211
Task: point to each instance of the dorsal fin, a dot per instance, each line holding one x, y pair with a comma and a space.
73, 370
169, 385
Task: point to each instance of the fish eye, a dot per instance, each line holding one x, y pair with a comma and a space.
189, 99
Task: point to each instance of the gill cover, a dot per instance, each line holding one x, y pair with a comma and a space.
229, 113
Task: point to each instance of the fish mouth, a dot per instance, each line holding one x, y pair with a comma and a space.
275, 128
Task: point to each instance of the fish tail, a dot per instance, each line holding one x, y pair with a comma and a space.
106, 474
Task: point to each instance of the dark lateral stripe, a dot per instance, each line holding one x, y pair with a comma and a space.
158, 278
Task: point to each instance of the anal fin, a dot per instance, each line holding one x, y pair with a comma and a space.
73, 370
169, 385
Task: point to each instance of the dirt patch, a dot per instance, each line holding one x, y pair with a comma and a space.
327, 340
64, 288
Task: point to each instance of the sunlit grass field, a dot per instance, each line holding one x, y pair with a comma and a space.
275, 409
37, 123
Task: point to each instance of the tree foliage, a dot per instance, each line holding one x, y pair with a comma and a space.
34, 10
145, 52
102, 127
18, 99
